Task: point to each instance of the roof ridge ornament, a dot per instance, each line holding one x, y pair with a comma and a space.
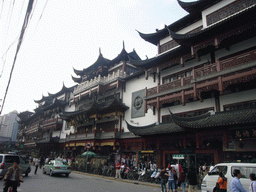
169, 31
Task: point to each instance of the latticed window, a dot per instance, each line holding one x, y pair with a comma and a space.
242, 105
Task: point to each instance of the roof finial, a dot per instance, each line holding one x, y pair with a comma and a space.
99, 50
123, 45
169, 31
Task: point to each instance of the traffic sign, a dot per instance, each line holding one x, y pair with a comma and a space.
88, 145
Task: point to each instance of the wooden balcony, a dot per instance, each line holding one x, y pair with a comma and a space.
224, 67
169, 86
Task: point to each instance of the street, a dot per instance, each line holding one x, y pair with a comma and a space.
77, 182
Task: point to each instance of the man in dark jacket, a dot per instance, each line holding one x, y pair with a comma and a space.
13, 177
192, 180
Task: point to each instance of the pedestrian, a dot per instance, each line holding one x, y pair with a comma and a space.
42, 161
118, 173
222, 181
192, 180
163, 177
13, 177
235, 184
171, 179
47, 160
252, 187
37, 161
182, 180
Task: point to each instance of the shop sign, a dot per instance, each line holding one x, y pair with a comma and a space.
66, 145
80, 144
187, 151
72, 145
147, 151
107, 143
243, 133
178, 156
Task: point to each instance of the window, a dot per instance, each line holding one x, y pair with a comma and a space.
11, 159
245, 171
242, 105
217, 170
1, 158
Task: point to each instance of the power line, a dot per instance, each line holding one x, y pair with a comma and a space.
23, 30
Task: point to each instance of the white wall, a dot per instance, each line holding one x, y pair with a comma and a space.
134, 85
207, 103
237, 97
65, 132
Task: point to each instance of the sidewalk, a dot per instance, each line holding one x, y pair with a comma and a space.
126, 180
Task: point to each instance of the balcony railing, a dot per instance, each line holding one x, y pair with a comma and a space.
227, 63
223, 64
51, 121
93, 82
169, 86
207, 70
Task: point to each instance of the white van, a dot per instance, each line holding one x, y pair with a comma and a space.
227, 169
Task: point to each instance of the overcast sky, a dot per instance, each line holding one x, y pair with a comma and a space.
69, 34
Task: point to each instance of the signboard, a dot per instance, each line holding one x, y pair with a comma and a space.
88, 145
146, 151
178, 156
80, 144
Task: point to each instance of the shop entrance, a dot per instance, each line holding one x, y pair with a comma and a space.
185, 160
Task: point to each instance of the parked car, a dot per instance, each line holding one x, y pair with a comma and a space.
227, 169
6, 161
56, 167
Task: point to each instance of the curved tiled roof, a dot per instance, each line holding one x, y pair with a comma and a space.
44, 98
155, 129
94, 107
154, 38
217, 119
219, 28
63, 90
197, 6
160, 59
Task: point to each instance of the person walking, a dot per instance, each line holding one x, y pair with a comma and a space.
163, 176
252, 187
118, 170
222, 181
182, 180
37, 161
192, 180
171, 179
235, 184
13, 177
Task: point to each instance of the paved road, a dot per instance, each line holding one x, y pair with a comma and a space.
78, 182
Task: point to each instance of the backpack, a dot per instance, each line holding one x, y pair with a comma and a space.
216, 188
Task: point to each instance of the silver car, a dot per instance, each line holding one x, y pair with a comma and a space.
57, 167
6, 161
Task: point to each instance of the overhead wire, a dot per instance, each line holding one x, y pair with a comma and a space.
41, 15
23, 30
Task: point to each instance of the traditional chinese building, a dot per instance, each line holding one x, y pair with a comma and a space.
40, 131
197, 98
96, 110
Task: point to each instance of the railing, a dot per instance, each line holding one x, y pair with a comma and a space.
232, 61
49, 121
169, 86
238, 60
93, 82
207, 70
